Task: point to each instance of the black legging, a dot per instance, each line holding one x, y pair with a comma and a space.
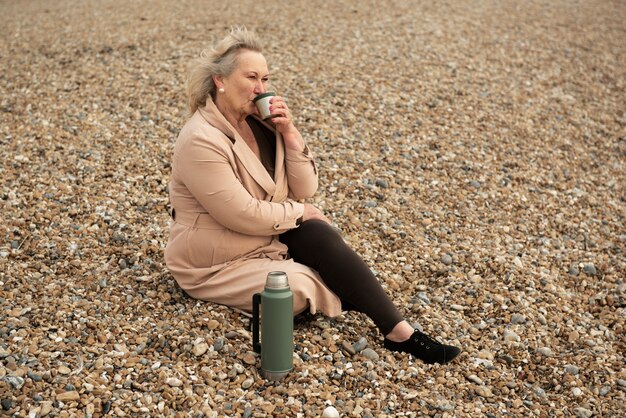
318, 245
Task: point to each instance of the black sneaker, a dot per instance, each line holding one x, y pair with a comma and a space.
424, 348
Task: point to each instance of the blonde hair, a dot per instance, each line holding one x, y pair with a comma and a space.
221, 60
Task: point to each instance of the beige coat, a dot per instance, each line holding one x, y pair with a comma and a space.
229, 212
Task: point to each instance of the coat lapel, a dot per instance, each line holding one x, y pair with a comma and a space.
280, 179
251, 163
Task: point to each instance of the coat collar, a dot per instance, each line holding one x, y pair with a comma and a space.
250, 161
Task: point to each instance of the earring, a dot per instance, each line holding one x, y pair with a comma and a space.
221, 89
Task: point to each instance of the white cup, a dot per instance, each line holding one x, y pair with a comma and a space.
262, 102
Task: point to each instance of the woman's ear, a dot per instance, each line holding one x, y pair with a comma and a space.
219, 82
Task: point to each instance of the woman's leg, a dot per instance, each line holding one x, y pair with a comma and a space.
319, 246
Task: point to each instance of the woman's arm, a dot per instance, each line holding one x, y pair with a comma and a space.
301, 173
300, 166
207, 171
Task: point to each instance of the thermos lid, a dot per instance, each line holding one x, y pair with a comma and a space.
277, 280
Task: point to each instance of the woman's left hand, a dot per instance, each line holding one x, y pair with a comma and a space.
284, 123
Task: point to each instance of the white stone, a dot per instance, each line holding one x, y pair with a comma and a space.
174, 382
330, 412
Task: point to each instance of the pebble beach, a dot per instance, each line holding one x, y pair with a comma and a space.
472, 152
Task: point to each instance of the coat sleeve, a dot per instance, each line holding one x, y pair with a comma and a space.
301, 173
206, 170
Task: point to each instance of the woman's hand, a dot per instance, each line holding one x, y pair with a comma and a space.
311, 212
284, 124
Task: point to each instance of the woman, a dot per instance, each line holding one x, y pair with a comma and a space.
235, 190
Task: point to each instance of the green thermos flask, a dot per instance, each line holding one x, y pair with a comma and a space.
276, 326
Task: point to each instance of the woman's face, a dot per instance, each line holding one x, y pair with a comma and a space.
248, 80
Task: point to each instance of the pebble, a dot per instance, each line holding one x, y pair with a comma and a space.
173, 382
348, 347
249, 358
582, 412
621, 382
64, 370
423, 297
446, 259
218, 345
573, 336
46, 408
545, 351
370, 354
571, 369
330, 412
382, 183
590, 269
68, 396
15, 381
573, 271
518, 319
7, 404
484, 391
509, 335
246, 384
577, 392
475, 379
200, 347
360, 345
212, 324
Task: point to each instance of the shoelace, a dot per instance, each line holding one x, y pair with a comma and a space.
423, 338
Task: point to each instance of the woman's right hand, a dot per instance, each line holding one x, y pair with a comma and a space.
311, 212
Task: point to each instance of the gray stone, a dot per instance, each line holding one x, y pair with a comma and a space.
370, 354
590, 269
422, 296
518, 319
14, 381
247, 413
583, 413
545, 351
218, 345
7, 404
571, 369
446, 259
446, 407
34, 376
382, 183
360, 345
509, 335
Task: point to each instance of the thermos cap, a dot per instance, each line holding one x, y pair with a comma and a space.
277, 280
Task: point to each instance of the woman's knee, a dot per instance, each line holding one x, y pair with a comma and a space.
320, 232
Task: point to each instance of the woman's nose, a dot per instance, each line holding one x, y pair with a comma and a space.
259, 87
